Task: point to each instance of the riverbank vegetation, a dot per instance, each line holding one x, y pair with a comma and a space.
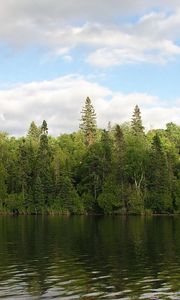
120, 169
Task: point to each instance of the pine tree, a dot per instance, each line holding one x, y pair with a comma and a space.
88, 122
136, 122
106, 156
119, 152
43, 146
43, 163
38, 195
158, 178
67, 196
120, 163
34, 132
3, 187
44, 128
91, 172
23, 168
120, 148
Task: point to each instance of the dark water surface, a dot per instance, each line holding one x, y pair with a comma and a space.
89, 258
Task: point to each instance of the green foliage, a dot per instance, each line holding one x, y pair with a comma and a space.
34, 132
123, 170
110, 199
176, 194
39, 196
136, 122
44, 128
88, 202
44, 163
91, 171
3, 188
67, 197
159, 197
119, 153
88, 122
135, 200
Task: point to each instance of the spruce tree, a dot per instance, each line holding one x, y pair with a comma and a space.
120, 148
38, 195
67, 196
106, 153
120, 163
44, 160
136, 122
158, 178
88, 122
33, 132
23, 167
119, 152
3, 187
44, 128
43, 146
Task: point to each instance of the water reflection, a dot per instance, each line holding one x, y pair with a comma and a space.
89, 258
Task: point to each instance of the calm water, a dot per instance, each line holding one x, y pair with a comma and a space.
89, 258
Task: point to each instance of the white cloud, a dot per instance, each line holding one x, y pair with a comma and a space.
52, 25
54, 11
159, 53
60, 101
157, 117
68, 58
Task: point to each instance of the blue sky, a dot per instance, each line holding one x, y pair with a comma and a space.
32, 65
55, 53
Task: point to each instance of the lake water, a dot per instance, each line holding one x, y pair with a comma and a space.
89, 257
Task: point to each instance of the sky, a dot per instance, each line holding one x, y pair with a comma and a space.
55, 53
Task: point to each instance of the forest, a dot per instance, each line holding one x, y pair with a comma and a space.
118, 170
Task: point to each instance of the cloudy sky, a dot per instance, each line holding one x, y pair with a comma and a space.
55, 53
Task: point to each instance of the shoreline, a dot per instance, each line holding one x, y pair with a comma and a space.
90, 214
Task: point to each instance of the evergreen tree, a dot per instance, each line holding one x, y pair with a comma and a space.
44, 128
34, 132
109, 127
24, 169
4, 158
3, 187
106, 157
120, 152
159, 198
39, 196
136, 122
120, 164
44, 163
122, 170
90, 176
135, 169
88, 122
109, 199
67, 198
43, 146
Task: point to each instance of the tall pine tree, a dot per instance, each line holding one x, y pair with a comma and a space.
88, 122
34, 132
136, 122
43, 166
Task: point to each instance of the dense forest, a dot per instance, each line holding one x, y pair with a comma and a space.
120, 170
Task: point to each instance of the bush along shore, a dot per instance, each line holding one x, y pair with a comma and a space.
118, 170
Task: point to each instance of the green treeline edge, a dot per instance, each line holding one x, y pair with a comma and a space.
118, 170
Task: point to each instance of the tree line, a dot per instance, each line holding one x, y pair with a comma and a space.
118, 170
